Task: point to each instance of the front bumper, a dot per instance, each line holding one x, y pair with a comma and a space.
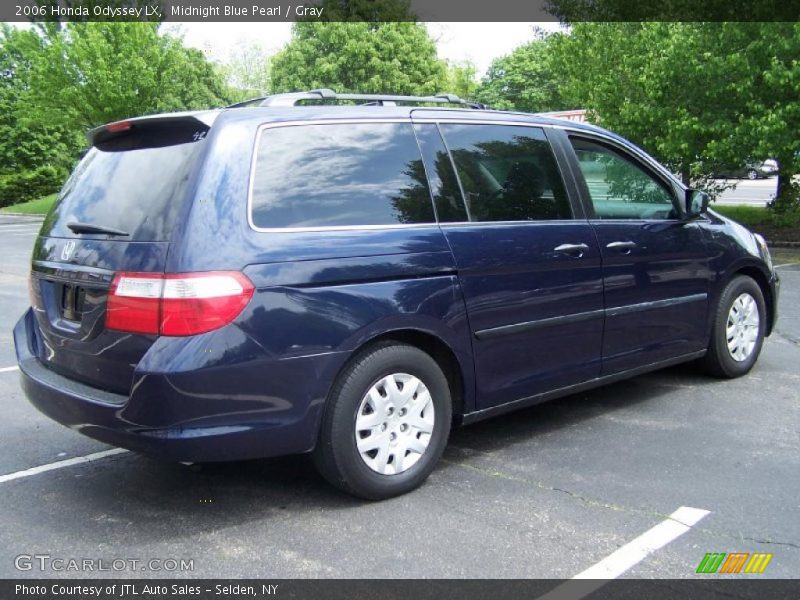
169, 415
775, 284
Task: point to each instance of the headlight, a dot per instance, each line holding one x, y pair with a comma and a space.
763, 249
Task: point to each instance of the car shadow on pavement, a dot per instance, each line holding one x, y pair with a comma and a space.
158, 501
567, 412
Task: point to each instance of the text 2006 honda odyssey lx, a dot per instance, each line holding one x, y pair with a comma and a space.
348, 280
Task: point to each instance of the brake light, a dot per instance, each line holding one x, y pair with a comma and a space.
134, 303
118, 126
176, 304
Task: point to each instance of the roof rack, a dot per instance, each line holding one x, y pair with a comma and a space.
326, 95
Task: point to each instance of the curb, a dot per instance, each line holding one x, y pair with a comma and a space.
32, 217
780, 244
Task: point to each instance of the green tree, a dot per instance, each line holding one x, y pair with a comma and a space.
247, 72
34, 156
93, 73
524, 80
369, 57
697, 95
766, 57
461, 79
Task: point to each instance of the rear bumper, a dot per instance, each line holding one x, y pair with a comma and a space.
166, 418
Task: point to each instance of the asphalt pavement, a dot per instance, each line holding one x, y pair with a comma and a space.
545, 492
751, 193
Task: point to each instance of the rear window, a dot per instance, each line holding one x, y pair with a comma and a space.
134, 183
333, 175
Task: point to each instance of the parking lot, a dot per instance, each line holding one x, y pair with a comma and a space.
751, 193
546, 492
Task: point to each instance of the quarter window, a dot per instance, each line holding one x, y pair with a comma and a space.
338, 175
620, 188
507, 172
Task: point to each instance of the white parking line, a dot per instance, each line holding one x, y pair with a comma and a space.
79, 460
786, 265
629, 555
8, 369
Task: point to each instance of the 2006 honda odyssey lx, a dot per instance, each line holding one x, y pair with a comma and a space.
348, 280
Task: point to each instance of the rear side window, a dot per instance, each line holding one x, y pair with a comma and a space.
508, 173
444, 184
136, 183
334, 175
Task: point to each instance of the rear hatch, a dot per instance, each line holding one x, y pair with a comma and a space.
116, 213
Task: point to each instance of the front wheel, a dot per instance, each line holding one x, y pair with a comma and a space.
752, 174
738, 329
386, 422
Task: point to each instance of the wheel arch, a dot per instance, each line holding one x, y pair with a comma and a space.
762, 280
456, 373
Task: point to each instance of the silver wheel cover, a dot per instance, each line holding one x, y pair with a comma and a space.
394, 423
741, 328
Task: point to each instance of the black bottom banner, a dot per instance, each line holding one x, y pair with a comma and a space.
405, 589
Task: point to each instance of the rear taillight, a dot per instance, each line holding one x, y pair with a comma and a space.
134, 303
197, 302
176, 304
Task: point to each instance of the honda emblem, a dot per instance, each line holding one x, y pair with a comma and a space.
67, 250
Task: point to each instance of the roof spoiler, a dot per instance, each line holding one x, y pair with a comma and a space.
198, 121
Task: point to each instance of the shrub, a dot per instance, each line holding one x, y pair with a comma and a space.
29, 185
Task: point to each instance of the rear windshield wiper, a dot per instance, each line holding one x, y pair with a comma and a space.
89, 228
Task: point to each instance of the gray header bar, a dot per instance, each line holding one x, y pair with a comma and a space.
419, 10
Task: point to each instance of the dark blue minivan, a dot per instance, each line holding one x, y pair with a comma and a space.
350, 275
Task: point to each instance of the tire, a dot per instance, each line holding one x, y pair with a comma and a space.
738, 357
752, 174
381, 398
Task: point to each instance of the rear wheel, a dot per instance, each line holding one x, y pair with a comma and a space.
386, 423
752, 174
738, 329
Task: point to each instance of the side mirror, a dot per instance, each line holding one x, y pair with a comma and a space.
696, 203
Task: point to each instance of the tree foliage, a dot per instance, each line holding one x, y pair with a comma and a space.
461, 79
525, 80
57, 80
697, 95
34, 156
247, 71
359, 57
768, 57
93, 73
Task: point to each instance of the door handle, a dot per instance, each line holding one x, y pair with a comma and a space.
622, 247
575, 250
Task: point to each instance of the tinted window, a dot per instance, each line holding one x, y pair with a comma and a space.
129, 185
619, 188
508, 173
444, 185
340, 174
